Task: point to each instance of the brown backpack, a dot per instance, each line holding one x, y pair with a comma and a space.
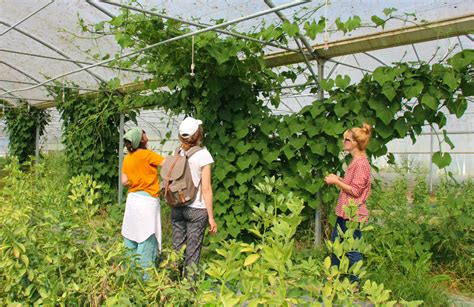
177, 187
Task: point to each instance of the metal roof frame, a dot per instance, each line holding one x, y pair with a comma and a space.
361, 44
129, 54
387, 39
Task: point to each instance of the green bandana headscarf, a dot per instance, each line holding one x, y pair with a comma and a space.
134, 135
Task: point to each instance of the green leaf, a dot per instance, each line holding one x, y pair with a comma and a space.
250, 259
243, 147
342, 82
317, 148
384, 131
316, 110
441, 159
288, 151
327, 84
353, 23
271, 156
447, 139
242, 133
303, 167
458, 106
389, 91
382, 112
340, 109
221, 56
413, 89
450, 80
430, 102
401, 127
298, 142
378, 21
291, 28
313, 29
389, 11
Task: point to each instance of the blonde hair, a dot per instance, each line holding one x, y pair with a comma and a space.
361, 135
193, 140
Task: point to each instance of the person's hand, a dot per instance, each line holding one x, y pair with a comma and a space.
212, 226
331, 179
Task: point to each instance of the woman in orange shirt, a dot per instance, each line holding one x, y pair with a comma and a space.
141, 225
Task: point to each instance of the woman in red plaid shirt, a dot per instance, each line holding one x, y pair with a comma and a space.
354, 186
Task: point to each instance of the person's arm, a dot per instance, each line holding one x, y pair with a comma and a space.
358, 183
206, 190
124, 180
156, 159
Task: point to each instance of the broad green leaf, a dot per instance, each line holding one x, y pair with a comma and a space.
441, 159
291, 28
250, 259
450, 80
447, 139
430, 101
401, 127
389, 91
389, 11
377, 21
458, 106
242, 132
317, 148
413, 90
327, 84
342, 82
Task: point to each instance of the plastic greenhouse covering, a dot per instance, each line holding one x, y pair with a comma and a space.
51, 29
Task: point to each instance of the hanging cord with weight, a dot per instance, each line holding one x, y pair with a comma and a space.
192, 74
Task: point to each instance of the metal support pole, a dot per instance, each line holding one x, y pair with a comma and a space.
173, 39
37, 144
25, 18
120, 187
50, 46
68, 60
297, 41
431, 160
317, 214
195, 24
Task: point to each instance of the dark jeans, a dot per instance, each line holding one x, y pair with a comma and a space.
189, 225
352, 256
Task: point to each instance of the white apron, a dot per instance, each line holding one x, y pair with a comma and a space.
142, 218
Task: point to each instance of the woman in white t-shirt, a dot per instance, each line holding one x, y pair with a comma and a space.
189, 222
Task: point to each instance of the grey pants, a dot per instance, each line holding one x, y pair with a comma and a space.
189, 225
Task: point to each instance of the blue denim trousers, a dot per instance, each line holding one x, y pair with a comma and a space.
145, 250
352, 256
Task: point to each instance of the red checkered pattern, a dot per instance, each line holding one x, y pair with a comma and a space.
358, 177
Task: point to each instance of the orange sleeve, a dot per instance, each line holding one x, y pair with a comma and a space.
155, 159
124, 165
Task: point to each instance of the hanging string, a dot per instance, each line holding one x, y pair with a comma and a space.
192, 58
63, 93
326, 37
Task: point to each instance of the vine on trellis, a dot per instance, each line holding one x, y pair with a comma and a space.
91, 131
22, 121
248, 141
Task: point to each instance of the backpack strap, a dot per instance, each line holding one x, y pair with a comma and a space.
191, 151
168, 175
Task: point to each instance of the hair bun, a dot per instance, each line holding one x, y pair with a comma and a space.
367, 128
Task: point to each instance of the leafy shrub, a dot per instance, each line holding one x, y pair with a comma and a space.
416, 243
266, 272
21, 124
61, 247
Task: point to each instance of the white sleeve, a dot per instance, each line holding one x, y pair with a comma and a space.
204, 157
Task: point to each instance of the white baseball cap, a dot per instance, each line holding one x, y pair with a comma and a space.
189, 126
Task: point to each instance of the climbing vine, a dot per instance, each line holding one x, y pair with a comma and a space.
21, 124
91, 132
231, 91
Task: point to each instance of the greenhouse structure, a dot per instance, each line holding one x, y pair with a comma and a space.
280, 88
